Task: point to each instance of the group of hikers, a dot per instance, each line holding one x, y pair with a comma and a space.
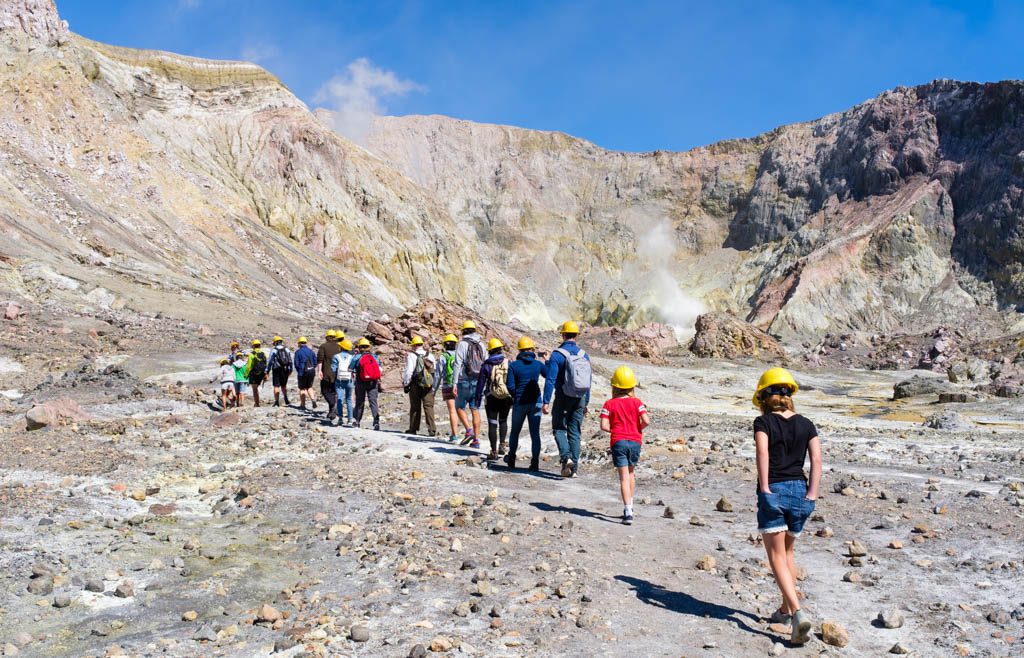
471, 373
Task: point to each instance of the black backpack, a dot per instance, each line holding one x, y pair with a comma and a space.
259, 364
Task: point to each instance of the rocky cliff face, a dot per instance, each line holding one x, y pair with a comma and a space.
130, 172
137, 178
903, 212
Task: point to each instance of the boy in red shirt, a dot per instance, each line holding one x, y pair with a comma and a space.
625, 417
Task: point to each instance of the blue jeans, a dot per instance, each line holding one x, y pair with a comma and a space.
567, 423
344, 388
530, 413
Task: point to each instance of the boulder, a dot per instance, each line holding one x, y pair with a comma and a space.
54, 412
723, 336
920, 385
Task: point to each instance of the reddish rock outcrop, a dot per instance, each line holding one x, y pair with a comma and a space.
722, 336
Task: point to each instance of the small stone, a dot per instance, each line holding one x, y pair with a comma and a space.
61, 601
218, 468
697, 521
825, 532
723, 505
456, 500
190, 615
205, 634
461, 610
484, 588
891, 618
41, 586
440, 644
896, 544
456, 545
138, 494
283, 644
857, 549
852, 577
94, 585
777, 649
706, 563
125, 590
669, 513
359, 633
418, 651
268, 614
899, 648
834, 634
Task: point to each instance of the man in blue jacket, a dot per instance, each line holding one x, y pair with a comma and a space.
567, 378
305, 369
523, 376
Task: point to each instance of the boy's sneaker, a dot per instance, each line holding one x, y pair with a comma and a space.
452, 438
801, 631
475, 445
627, 518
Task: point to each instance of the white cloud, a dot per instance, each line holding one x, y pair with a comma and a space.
356, 96
258, 53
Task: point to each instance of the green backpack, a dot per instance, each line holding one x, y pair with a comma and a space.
421, 375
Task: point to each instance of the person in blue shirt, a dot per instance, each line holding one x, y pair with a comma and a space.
567, 411
305, 370
523, 383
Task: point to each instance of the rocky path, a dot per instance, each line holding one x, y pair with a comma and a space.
177, 531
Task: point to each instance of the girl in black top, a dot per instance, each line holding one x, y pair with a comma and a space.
785, 497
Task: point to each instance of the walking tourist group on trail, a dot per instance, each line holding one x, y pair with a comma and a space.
471, 372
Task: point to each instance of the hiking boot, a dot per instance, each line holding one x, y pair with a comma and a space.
780, 617
801, 631
276, 403
535, 465
501, 448
510, 461
475, 445
566, 470
627, 518
492, 456
302, 406
313, 402
409, 432
376, 427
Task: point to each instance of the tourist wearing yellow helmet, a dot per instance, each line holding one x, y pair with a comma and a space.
366, 372
625, 417
324, 356
419, 383
256, 370
493, 382
567, 379
470, 355
304, 362
280, 364
523, 384
344, 384
446, 378
785, 496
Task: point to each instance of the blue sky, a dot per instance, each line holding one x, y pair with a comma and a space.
634, 75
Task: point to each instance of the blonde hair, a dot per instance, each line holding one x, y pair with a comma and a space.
777, 403
622, 392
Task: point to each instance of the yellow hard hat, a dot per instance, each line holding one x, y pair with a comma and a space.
526, 343
234, 344
302, 340
339, 334
346, 345
624, 378
224, 361
278, 339
416, 340
330, 333
569, 327
468, 324
494, 344
451, 338
774, 377
363, 342
256, 343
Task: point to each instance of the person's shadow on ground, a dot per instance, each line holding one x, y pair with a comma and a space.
685, 604
577, 511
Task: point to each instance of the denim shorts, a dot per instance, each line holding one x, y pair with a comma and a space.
625, 453
785, 508
465, 394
